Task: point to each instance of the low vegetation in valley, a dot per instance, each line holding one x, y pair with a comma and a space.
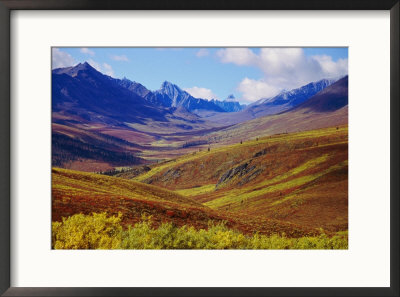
283, 191
97, 231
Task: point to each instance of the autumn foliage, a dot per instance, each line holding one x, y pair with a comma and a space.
286, 191
79, 231
97, 231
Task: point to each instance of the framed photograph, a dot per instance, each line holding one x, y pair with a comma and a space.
218, 149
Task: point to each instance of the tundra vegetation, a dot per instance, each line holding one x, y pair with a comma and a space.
97, 231
285, 191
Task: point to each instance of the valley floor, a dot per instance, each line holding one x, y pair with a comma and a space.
290, 187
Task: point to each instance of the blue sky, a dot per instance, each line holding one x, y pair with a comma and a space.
248, 73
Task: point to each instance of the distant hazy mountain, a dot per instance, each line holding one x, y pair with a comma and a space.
277, 104
170, 95
230, 104
289, 99
327, 108
231, 97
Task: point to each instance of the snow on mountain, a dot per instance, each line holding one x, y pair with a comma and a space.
296, 96
172, 95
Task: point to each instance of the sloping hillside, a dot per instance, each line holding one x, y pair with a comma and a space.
99, 123
329, 99
325, 109
75, 192
297, 177
78, 192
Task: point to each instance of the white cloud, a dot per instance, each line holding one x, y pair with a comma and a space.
238, 56
60, 59
108, 69
202, 52
201, 93
85, 50
95, 65
330, 67
283, 68
103, 68
252, 90
120, 58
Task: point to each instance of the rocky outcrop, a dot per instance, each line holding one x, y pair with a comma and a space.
171, 174
245, 172
260, 153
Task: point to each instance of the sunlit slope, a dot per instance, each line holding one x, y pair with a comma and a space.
79, 192
288, 122
76, 192
327, 108
296, 177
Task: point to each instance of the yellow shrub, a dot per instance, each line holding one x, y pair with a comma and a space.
101, 232
96, 231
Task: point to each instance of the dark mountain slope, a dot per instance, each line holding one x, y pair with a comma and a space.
330, 99
84, 91
99, 122
141, 91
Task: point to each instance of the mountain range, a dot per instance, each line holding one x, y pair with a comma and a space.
113, 121
230, 104
85, 92
296, 96
271, 175
170, 95
277, 104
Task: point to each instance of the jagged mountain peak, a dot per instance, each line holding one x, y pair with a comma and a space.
74, 70
167, 85
172, 90
229, 105
83, 66
173, 96
298, 95
127, 79
230, 98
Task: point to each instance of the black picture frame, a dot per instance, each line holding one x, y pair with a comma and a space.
6, 6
